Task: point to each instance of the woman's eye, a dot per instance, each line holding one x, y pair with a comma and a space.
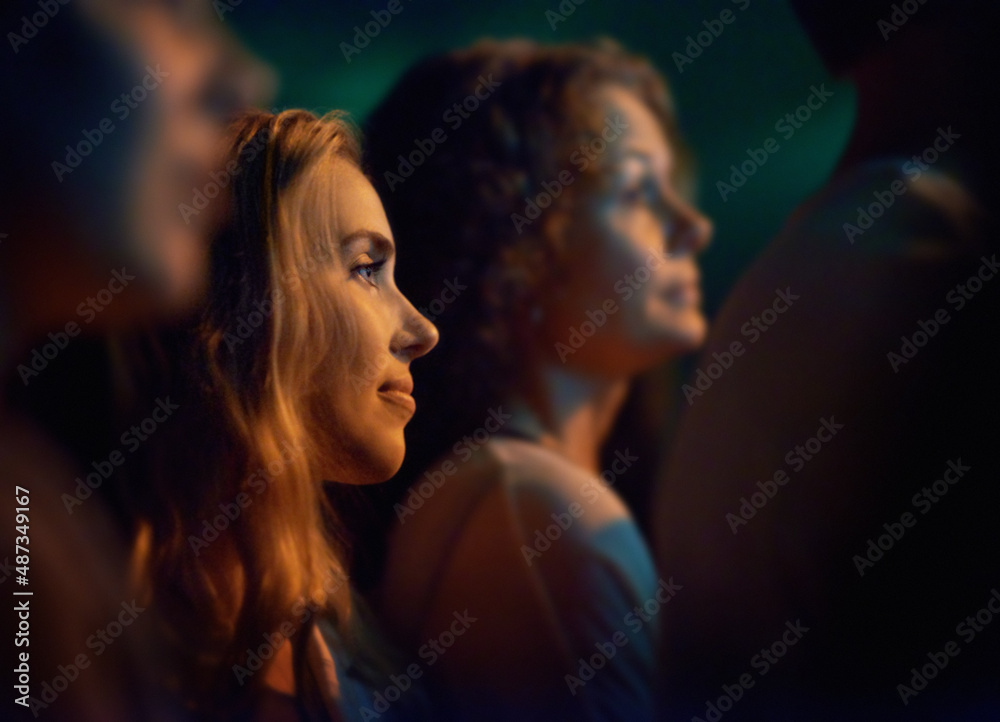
639, 190
370, 271
632, 195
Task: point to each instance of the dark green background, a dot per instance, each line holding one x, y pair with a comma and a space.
758, 69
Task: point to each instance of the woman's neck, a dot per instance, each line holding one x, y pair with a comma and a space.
572, 414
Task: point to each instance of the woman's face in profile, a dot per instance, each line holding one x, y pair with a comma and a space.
196, 80
365, 391
630, 296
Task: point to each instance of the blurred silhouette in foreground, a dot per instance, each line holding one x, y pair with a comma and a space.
830, 502
112, 111
547, 234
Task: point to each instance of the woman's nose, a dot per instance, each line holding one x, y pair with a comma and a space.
417, 337
689, 231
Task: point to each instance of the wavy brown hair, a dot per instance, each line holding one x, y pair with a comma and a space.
454, 211
247, 377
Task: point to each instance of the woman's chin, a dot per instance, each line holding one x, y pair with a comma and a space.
682, 336
692, 335
390, 460
377, 466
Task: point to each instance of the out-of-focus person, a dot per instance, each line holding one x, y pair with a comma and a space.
542, 205
112, 114
831, 495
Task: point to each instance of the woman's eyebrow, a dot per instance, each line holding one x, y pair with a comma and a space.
383, 244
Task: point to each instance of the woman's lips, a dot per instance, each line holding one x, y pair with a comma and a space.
399, 398
683, 294
398, 392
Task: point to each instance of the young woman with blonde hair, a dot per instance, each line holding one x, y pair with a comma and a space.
296, 373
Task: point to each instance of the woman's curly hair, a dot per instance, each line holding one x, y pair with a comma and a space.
512, 114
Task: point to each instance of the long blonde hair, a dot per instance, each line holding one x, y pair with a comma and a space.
240, 537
